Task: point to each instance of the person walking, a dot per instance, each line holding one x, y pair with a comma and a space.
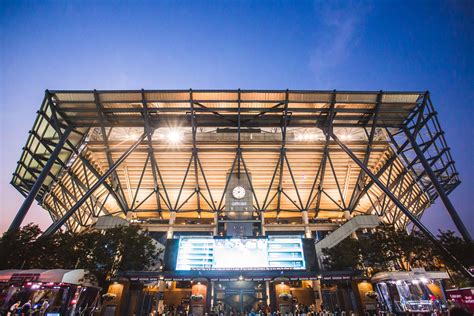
14, 308
26, 308
44, 307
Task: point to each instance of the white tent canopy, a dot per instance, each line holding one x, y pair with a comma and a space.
409, 275
5, 275
77, 276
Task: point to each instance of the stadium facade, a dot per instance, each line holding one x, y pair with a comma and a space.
210, 167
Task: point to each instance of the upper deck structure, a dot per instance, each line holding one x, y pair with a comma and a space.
306, 156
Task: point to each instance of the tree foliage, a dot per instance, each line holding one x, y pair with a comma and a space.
346, 255
103, 253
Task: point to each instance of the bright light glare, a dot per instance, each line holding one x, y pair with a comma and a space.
131, 135
174, 136
307, 137
424, 280
345, 137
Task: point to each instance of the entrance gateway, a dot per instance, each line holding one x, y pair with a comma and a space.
239, 296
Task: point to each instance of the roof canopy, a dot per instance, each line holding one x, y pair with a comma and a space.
264, 126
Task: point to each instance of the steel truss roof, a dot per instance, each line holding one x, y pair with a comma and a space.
293, 166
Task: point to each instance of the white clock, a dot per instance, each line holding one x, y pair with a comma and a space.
238, 192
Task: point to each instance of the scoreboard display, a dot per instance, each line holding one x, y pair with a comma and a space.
209, 253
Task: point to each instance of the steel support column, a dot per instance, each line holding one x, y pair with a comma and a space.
115, 179
20, 215
360, 179
55, 226
445, 252
439, 189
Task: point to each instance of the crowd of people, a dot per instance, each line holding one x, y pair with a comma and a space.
27, 308
258, 310
181, 309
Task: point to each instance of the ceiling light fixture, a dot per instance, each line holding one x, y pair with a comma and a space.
174, 136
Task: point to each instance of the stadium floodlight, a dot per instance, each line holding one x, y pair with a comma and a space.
307, 137
132, 136
174, 136
346, 137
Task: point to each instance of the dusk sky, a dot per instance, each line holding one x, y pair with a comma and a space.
380, 45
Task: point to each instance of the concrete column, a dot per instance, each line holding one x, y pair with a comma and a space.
171, 223
212, 294
262, 222
347, 215
267, 292
216, 223
307, 231
161, 291
317, 288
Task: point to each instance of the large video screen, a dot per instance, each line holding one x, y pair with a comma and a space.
271, 253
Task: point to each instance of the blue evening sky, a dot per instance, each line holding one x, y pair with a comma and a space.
346, 45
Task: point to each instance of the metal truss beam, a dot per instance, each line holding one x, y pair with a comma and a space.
197, 162
439, 189
329, 127
56, 225
281, 161
421, 122
74, 179
220, 206
154, 165
92, 169
247, 174
446, 253
20, 216
359, 182
331, 165
115, 179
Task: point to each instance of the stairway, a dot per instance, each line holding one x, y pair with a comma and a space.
354, 224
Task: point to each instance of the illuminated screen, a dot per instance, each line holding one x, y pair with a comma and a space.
272, 253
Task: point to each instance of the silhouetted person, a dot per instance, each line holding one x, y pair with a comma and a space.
26, 308
14, 308
458, 311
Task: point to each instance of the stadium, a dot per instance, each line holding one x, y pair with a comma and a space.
238, 169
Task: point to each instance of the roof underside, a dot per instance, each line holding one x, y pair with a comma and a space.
281, 138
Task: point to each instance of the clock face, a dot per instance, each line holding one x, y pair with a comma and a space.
238, 192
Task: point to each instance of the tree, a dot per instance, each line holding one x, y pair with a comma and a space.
462, 250
122, 248
346, 255
17, 247
388, 249
103, 253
